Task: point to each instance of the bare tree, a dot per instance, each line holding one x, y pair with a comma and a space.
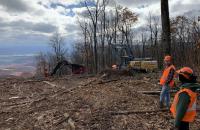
58, 46
94, 15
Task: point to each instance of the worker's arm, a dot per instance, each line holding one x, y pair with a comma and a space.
170, 76
181, 108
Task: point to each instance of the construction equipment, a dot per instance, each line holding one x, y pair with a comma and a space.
143, 64
75, 68
128, 61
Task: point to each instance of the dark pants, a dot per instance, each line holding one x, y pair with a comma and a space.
184, 126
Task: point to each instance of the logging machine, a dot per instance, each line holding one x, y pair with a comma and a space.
128, 61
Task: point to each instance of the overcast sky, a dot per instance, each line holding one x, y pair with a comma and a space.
33, 21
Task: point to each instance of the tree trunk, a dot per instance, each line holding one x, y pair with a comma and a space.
165, 26
95, 49
143, 46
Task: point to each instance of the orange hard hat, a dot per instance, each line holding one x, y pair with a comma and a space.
167, 58
186, 72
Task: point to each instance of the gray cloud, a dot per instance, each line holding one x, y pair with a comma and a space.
72, 28
28, 26
136, 3
192, 13
15, 5
181, 9
43, 27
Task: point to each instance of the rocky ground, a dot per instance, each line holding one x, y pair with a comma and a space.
83, 103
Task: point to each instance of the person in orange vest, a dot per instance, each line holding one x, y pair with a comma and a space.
167, 81
183, 107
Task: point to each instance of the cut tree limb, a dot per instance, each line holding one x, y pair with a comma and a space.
137, 112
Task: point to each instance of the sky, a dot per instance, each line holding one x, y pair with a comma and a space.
33, 21
26, 25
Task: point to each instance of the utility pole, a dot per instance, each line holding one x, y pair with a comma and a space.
166, 36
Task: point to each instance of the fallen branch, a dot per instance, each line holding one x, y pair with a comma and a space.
61, 121
108, 81
147, 82
66, 115
90, 82
42, 80
32, 81
47, 82
65, 91
137, 112
38, 100
15, 104
155, 92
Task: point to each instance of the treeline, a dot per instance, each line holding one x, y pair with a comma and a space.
103, 28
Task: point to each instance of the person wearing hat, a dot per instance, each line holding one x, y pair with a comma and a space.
167, 81
183, 107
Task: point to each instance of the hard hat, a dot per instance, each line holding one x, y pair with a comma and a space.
186, 72
167, 58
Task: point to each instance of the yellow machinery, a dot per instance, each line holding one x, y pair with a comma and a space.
128, 61
146, 65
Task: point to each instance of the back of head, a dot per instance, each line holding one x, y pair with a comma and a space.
186, 75
192, 79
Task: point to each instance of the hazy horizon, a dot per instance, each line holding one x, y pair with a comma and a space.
19, 58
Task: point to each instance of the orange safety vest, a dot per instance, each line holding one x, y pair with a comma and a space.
191, 111
165, 74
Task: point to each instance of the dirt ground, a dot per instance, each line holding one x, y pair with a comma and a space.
83, 103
